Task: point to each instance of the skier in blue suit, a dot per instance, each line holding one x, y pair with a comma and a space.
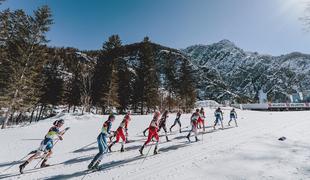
102, 143
218, 117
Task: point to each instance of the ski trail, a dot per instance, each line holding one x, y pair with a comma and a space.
179, 159
176, 161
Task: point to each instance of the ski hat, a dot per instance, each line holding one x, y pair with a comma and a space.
57, 122
197, 110
157, 114
111, 116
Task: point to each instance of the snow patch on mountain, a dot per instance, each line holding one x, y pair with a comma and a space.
246, 73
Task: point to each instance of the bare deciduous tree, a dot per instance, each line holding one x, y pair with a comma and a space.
86, 79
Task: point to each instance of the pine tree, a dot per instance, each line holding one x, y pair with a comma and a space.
187, 86
24, 53
100, 83
170, 82
73, 92
53, 86
138, 90
105, 82
148, 77
124, 85
73, 85
6, 69
112, 93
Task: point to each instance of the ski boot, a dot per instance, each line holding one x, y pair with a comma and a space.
91, 164
155, 150
141, 150
96, 166
22, 166
188, 138
43, 164
110, 146
167, 139
122, 149
196, 139
180, 130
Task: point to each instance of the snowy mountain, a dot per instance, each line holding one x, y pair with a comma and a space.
223, 71
245, 73
208, 81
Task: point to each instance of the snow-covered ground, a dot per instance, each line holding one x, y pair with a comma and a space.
251, 151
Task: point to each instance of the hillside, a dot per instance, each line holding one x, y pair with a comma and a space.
245, 73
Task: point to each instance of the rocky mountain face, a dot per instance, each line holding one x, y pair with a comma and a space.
222, 71
240, 75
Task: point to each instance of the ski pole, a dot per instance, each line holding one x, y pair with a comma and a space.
42, 158
179, 129
236, 122
64, 131
14, 162
147, 154
202, 137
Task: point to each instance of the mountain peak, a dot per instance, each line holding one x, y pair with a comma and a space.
226, 42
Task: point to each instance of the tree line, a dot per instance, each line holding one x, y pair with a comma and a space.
36, 79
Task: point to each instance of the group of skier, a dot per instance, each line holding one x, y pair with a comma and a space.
197, 121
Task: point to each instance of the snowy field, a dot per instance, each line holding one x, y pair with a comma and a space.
250, 151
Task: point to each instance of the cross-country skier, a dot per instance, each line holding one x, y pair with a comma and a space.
177, 120
153, 132
120, 132
194, 119
102, 142
127, 119
46, 146
162, 123
218, 117
201, 120
233, 116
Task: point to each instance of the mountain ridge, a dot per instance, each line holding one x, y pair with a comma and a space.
248, 72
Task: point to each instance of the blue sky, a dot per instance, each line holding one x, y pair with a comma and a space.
265, 26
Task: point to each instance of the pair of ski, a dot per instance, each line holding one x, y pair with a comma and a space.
95, 169
190, 141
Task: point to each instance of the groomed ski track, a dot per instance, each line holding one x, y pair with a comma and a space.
250, 151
